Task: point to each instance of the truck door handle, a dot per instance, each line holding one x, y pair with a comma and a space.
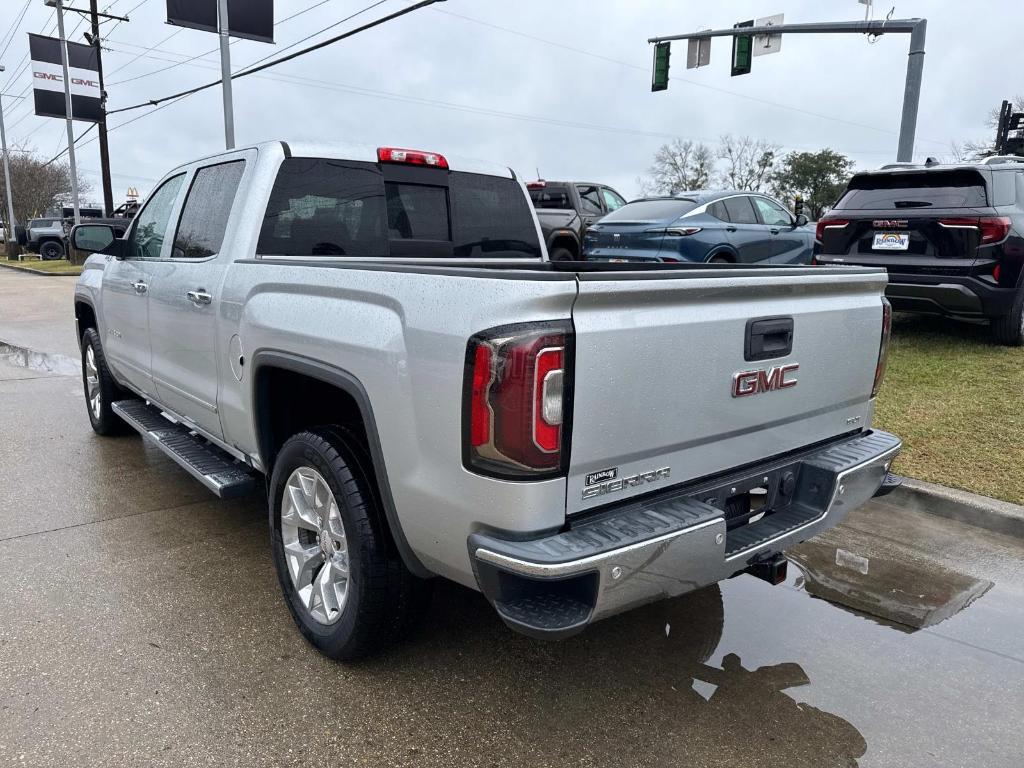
774, 231
140, 287
730, 229
199, 298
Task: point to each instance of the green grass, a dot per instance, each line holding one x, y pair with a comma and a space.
32, 261
955, 398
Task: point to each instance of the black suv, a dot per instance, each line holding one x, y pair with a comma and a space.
950, 236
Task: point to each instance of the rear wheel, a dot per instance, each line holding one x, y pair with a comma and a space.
51, 251
1009, 329
719, 259
347, 589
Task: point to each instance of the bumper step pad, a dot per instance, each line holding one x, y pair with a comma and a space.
221, 473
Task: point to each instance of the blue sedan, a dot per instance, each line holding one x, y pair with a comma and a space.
737, 227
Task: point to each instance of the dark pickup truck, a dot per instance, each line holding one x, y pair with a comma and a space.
565, 210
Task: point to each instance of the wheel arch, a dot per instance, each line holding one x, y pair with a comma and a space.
563, 238
85, 317
268, 365
726, 251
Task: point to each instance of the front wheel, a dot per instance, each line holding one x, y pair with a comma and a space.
100, 388
347, 589
1009, 329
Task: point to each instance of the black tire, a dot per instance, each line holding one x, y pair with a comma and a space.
561, 254
720, 259
51, 250
102, 417
1009, 329
384, 600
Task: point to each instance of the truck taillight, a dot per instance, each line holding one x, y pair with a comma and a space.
411, 157
517, 393
883, 347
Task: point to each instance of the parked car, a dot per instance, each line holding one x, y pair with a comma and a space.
732, 227
375, 337
3, 234
950, 236
566, 209
46, 237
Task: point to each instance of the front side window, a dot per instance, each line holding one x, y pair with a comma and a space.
612, 200
147, 239
590, 200
204, 217
771, 212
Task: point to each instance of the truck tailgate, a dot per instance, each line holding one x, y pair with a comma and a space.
656, 357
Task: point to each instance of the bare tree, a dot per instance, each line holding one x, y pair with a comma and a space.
679, 166
748, 164
37, 186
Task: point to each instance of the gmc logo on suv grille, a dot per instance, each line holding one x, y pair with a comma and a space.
889, 223
749, 383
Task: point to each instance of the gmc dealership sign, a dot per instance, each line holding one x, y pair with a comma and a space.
48, 79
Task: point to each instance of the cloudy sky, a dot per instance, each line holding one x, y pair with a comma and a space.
562, 86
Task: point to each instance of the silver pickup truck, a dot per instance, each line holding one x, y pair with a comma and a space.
378, 336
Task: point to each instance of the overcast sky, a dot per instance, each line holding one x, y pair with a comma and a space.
562, 86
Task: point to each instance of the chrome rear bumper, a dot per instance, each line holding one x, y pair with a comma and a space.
672, 542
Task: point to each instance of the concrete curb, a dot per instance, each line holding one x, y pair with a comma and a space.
37, 271
962, 506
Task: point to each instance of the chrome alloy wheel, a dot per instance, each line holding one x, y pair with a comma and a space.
315, 548
92, 383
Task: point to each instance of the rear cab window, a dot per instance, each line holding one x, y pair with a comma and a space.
928, 189
324, 207
551, 196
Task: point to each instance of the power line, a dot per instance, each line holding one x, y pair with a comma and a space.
15, 28
252, 69
232, 42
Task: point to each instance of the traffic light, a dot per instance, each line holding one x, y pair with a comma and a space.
659, 79
742, 50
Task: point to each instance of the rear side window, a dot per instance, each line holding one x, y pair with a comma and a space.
651, 210
740, 210
935, 189
551, 197
204, 217
491, 218
719, 211
325, 208
347, 208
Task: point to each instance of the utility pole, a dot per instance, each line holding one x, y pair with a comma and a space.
9, 231
916, 28
108, 194
67, 106
225, 73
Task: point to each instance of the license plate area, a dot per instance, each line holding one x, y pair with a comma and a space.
752, 499
891, 241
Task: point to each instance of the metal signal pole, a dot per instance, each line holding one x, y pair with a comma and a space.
108, 194
225, 73
9, 231
67, 107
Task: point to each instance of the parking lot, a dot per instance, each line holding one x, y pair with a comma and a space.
142, 625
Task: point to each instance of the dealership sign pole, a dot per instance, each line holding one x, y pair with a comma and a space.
69, 116
251, 19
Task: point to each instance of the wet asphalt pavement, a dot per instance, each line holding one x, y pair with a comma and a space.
141, 624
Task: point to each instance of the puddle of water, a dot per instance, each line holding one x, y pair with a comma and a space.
905, 595
58, 365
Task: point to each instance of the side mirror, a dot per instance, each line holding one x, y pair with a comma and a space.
801, 220
97, 238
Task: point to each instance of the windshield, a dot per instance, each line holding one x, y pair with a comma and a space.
938, 189
651, 210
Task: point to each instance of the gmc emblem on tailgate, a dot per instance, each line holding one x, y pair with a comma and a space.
755, 382
889, 223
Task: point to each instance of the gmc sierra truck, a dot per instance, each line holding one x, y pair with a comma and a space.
376, 337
